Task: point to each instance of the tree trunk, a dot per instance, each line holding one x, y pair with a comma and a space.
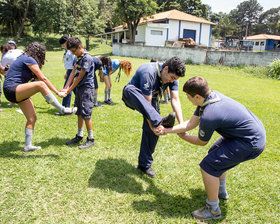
23, 21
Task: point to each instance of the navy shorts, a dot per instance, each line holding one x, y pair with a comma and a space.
84, 101
225, 154
10, 94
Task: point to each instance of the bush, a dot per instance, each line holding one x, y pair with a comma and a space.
273, 69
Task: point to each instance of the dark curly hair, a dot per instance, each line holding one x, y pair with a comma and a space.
176, 66
106, 63
5, 48
37, 51
73, 42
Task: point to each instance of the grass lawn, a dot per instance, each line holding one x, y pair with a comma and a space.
62, 184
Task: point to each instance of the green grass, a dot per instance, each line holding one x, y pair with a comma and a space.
62, 184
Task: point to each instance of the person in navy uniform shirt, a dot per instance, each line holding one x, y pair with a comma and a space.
243, 138
143, 94
83, 82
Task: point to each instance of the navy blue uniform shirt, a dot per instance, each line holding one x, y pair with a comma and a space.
97, 63
230, 119
86, 63
19, 72
146, 78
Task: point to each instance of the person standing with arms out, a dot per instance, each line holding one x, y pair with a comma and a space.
143, 93
243, 138
69, 60
83, 81
18, 89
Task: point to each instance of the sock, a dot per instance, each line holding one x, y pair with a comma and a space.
51, 99
80, 132
90, 134
28, 137
95, 102
109, 93
213, 204
222, 188
106, 95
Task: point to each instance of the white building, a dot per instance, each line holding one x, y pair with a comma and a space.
265, 42
168, 26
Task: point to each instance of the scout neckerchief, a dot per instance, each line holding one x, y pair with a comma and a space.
160, 86
212, 100
78, 60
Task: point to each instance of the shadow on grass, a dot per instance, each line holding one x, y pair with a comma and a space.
118, 175
11, 149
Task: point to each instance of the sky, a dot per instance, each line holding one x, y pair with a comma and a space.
227, 5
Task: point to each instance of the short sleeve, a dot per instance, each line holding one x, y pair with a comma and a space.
145, 84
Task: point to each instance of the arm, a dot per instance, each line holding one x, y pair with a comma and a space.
192, 139
2, 70
176, 105
185, 126
71, 78
36, 70
76, 81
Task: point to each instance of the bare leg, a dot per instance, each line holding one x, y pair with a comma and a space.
211, 185
107, 82
80, 122
27, 90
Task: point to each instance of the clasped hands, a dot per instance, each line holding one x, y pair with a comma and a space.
62, 93
160, 130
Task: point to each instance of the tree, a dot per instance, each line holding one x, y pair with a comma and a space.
23, 21
90, 22
270, 21
131, 11
246, 16
193, 7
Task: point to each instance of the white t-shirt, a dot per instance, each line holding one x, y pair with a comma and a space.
10, 57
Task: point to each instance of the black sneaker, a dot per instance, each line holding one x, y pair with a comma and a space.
75, 140
107, 102
149, 171
169, 121
98, 105
87, 144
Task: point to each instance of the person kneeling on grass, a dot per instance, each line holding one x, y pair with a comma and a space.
18, 89
83, 82
243, 138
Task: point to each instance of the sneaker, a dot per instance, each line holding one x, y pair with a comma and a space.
223, 196
169, 121
31, 148
75, 140
107, 102
164, 102
87, 144
98, 105
149, 171
69, 111
110, 100
206, 213
58, 113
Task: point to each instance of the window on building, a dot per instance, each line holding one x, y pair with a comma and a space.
156, 32
257, 43
262, 43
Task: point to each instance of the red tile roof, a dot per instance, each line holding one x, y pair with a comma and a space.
173, 14
263, 37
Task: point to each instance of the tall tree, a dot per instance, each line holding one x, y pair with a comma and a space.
246, 16
270, 20
131, 11
23, 21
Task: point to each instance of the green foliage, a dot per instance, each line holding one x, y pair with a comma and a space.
246, 15
273, 69
132, 11
270, 20
62, 184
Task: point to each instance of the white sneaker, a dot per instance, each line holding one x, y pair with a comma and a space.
31, 148
69, 111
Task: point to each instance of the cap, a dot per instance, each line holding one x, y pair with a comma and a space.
12, 42
63, 39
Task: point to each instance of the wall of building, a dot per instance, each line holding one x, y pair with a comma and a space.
197, 55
